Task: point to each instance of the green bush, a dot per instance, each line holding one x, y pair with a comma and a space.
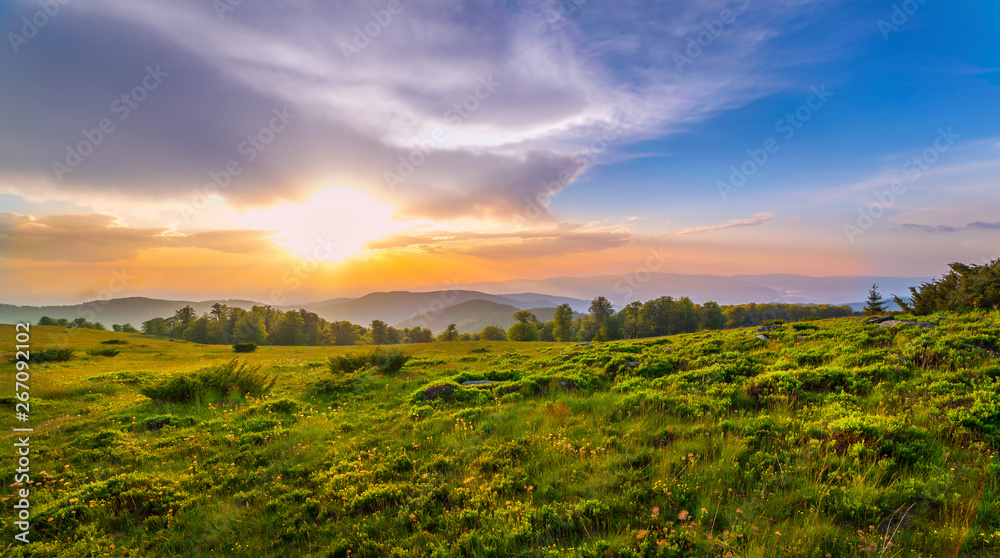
388, 362
48, 355
221, 381
108, 352
114, 342
245, 347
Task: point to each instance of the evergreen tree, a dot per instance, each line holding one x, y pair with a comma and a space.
875, 303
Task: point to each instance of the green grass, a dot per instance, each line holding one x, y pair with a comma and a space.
844, 439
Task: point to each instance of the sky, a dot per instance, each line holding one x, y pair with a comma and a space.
306, 150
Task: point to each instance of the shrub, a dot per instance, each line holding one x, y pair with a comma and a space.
114, 342
220, 380
245, 347
48, 355
108, 352
387, 362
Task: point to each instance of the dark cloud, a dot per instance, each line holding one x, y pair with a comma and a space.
930, 228
982, 225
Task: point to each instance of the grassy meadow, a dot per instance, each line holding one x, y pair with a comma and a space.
829, 438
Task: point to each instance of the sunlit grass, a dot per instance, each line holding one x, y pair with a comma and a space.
847, 440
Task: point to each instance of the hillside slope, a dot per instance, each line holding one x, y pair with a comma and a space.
472, 316
824, 438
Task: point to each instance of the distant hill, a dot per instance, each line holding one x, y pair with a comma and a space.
736, 289
399, 306
131, 310
390, 307
472, 316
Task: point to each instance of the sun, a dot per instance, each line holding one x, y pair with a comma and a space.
332, 225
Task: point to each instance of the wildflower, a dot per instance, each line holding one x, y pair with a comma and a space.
683, 515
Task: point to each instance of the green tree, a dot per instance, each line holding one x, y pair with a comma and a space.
450, 333
184, 317
379, 330
525, 317
219, 311
524, 329
129, 328
47, 321
562, 329
712, 316
600, 310
493, 333
522, 332
290, 330
251, 327
630, 319
875, 303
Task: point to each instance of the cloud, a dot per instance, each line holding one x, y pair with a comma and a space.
103, 238
759, 219
930, 228
982, 225
555, 93
559, 240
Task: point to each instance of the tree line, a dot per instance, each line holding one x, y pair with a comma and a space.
965, 287
83, 323
656, 318
264, 325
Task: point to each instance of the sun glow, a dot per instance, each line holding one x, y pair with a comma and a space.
332, 225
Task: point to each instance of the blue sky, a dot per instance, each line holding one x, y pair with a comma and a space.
662, 100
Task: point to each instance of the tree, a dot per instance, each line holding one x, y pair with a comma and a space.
219, 310
562, 330
522, 332
524, 329
450, 333
493, 333
344, 333
712, 316
251, 327
525, 317
184, 317
129, 328
379, 331
290, 330
601, 309
875, 303
630, 320
47, 321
